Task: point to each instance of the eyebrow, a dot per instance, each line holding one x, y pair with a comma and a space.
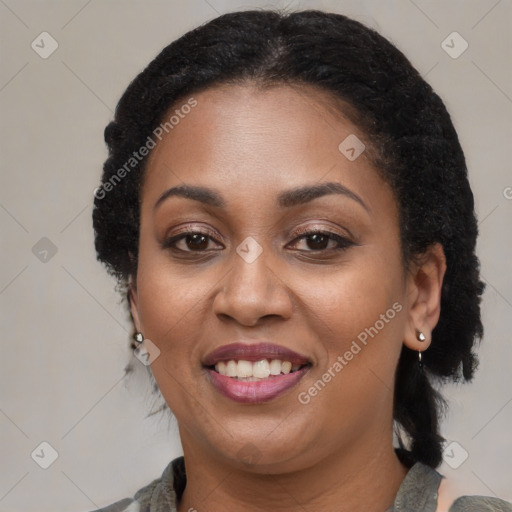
287, 199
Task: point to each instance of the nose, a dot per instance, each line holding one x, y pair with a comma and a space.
253, 290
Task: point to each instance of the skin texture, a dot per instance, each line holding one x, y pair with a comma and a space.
334, 453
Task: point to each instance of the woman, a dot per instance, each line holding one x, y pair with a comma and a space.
287, 206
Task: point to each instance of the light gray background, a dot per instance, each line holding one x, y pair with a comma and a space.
64, 332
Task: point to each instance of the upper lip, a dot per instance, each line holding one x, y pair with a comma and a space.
253, 352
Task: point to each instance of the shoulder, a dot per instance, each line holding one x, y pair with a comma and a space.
425, 489
480, 504
450, 501
159, 493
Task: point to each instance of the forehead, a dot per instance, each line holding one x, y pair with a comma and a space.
248, 140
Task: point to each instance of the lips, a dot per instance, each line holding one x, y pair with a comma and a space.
255, 352
258, 390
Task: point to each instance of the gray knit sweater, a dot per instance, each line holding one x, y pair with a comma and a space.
417, 493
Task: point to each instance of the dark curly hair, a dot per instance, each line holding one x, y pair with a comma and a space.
413, 144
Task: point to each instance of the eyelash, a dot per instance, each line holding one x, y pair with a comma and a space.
343, 243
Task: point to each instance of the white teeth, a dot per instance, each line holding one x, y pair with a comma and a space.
221, 367
249, 371
275, 367
244, 369
286, 367
261, 369
231, 368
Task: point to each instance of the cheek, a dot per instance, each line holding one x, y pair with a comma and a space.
169, 306
170, 310
167, 292
169, 301
345, 302
358, 315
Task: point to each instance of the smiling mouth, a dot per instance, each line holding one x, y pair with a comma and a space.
241, 381
255, 371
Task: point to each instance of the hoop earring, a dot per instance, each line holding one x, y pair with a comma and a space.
139, 338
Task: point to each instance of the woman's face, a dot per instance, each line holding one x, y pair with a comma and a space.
340, 300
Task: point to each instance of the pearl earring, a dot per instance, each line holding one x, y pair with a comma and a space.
420, 336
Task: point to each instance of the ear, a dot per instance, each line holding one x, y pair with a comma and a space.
133, 299
424, 283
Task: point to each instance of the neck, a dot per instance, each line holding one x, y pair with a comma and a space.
360, 479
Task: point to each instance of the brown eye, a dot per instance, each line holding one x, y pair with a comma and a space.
191, 242
196, 242
319, 241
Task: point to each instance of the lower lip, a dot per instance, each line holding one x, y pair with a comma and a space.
257, 391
